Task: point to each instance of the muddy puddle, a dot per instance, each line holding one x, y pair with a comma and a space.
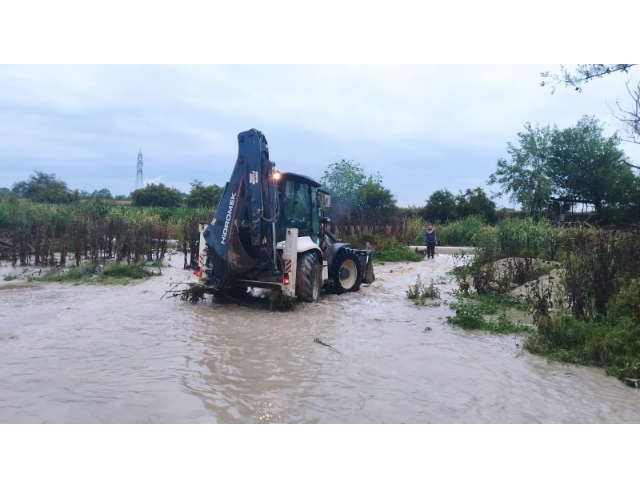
120, 354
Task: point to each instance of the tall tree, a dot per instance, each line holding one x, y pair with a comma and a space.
101, 194
588, 167
577, 164
374, 199
202, 195
156, 195
525, 179
44, 188
343, 179
441, 206
476, 202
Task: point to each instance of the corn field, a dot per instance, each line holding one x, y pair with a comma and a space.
57, 235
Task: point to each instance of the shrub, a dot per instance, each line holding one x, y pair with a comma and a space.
470, 317
396, 252
419, 293
77, 273
614, 346
134, 271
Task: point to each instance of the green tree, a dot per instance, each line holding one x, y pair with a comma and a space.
374, 199
576, 165
44, 188
156, 195
588, 167
203, 196
476, 202
525, 179
441, 206
5, 192
629, 116
101, 194
343, 180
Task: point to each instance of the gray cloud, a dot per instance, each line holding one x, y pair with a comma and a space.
422, 127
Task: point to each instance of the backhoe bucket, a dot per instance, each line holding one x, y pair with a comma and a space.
366, 261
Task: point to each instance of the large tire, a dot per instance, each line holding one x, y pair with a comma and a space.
308, 277
345, 272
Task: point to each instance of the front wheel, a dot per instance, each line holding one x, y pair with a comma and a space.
308, 277
346, 272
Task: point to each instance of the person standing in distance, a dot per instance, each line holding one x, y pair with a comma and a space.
432, 241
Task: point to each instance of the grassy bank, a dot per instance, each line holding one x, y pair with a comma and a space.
119, 274
589, 314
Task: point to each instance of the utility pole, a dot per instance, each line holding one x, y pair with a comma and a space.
139, 182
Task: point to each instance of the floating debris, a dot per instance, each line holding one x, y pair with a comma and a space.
193, 293
317, 340
281, 301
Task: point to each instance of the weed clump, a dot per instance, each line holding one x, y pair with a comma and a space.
419, 293
281, 302
194, 293
614, 346
396, 252
74, 274
131, 271
112, 274
469, 316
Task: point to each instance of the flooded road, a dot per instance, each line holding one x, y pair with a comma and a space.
120, 354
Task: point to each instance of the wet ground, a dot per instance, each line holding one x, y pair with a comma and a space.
121, 354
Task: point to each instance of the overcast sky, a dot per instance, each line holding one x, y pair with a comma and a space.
422, 127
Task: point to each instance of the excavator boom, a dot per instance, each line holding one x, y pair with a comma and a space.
241, 236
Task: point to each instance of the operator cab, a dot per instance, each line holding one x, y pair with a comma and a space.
300, 203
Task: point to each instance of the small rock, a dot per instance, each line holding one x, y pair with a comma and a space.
428, 328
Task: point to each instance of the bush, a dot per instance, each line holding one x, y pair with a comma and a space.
614, 346
74, 274
397, 253
135, 271
419, 293
463, 233
470, 317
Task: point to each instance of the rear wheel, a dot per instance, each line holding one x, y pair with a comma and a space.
308, 277
346, 272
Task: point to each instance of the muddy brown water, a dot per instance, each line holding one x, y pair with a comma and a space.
120, 354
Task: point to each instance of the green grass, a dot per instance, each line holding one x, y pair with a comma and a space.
469, 316
10, 277
613, 346
114, 274
419, 293
74, 274
396, 252
493, 303
132, 271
